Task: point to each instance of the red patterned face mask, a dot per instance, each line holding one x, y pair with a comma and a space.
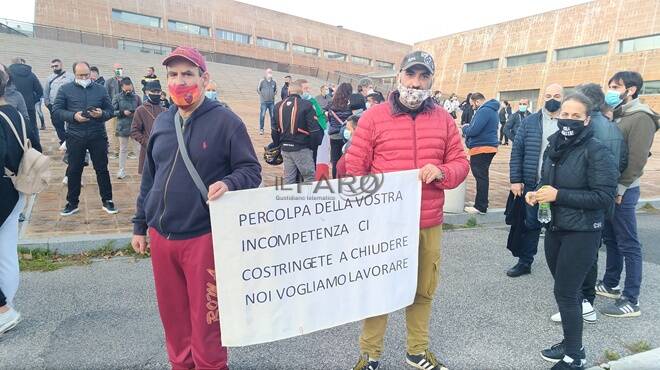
184, 96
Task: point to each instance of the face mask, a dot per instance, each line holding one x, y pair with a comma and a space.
371, 91
552, 105
128, 92
522, 108
613, 98
213, 95
83, 83
57, 71
368, 105
570, 127
154, 98
412, 98
306, 96
118, 72
347, 135
184, 96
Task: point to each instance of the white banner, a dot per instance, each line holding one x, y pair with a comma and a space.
292, 260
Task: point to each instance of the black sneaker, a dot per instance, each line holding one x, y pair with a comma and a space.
425, 361
364, 363
622, 307
109, 206
556, 353
563, 365
519, 269
604, 291
69, 209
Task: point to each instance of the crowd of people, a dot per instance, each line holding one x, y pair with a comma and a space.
575, 170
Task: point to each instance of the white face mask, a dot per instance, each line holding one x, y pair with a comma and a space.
368, 105
83, 83
412, 98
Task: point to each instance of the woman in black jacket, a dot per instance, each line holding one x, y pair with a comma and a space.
466, 110
11, 205
338, 111
579, 179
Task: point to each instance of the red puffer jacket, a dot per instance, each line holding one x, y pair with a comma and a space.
388, 140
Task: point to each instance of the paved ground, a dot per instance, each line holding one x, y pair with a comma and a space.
103, 316
45, 221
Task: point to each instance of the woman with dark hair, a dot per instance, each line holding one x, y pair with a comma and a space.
11, 204
579, 179
467, 110
338, 111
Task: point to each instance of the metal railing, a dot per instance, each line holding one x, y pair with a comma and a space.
41, 31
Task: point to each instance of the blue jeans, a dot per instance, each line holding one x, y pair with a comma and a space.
262, 113
530, 239
623, 246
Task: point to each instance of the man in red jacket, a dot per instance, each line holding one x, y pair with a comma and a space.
410, 131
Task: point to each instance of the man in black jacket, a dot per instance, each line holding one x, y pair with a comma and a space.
296, 129
28, 85
85, 106
515, 119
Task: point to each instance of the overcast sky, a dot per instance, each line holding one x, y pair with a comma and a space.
409, 23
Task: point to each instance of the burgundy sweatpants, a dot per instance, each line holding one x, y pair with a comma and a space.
184, 274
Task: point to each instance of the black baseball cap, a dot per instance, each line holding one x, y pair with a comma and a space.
421, 58
152, 85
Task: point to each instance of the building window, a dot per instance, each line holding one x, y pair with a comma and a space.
272, 44
334, 55
481, 66
651, 88
135, 18
305, 50
241, 38
384, 65
639, 44
521, 60
188, 28
360, 60
142, 47
583, 51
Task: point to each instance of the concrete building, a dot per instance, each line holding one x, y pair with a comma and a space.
227, 27
582, 43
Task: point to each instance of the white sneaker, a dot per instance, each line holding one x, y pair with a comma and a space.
474, 211
63, 147
121, 174
65, 180
9, 320
588, 313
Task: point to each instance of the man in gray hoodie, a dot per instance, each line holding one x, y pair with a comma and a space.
638, 124
267, 88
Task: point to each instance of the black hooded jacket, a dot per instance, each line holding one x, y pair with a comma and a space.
26, 83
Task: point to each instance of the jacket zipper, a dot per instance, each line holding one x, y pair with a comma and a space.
414, 142
167, 183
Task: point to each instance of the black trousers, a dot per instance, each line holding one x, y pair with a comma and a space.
502, 135
59, 126
77, 147
570, 256
480, 165
335, 153
3, 299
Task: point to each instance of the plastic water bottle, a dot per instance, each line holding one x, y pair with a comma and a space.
544, 214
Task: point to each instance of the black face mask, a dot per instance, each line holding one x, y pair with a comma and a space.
552, 105
154, 98
57, 71
570, 127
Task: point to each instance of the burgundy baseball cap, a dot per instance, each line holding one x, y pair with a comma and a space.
189, 54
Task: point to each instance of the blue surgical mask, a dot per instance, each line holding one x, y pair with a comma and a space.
347, 135
522, 108
306, 96
613, 98
213, 95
